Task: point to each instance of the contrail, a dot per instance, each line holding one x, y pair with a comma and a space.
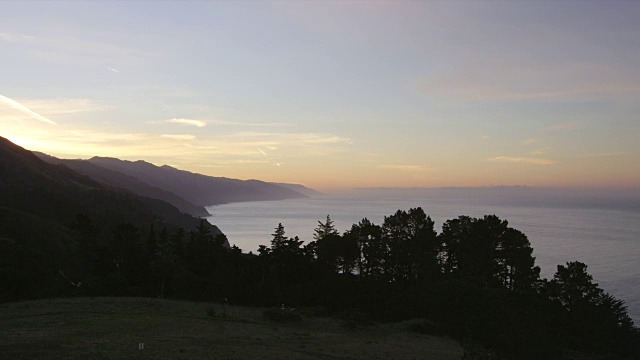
16, 105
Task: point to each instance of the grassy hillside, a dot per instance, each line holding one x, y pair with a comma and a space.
112, 328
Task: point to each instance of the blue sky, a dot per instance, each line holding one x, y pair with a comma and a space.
332, 93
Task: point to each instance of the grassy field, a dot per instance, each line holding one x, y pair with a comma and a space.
113, 328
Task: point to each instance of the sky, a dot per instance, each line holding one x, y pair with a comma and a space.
332, 94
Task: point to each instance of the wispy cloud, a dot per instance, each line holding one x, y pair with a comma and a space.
16, 37
287, 140
523, 160
567, 125
183, 149
192, 122
18, 106
179, 136
409, 168
607, 154
237, 123
505, 80
63, 106
530, 141
203, 123
540, 151
315, 138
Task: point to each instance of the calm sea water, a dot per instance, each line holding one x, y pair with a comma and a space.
608, 241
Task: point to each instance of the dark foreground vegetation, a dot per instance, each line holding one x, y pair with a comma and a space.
475, 281
64, 234
114, 328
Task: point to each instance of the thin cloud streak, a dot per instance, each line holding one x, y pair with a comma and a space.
237, 148
192, 122
523, 160
225, 122
15, 38
541, 151
179, 136
203, 123
16, 105
504, 80
607, 154
410, 168
530, 141
569, 125
63, 106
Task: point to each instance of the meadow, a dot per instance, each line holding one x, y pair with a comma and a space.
114, 328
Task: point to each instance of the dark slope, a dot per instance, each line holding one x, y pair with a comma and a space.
196, 188
63, 233
119, 180
56, 194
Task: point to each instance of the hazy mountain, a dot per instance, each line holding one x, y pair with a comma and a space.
39, 201
120, 180
299, 189
198, 189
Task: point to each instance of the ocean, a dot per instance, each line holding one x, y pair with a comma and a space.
605, 238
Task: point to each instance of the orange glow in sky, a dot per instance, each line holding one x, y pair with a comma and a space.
332, 94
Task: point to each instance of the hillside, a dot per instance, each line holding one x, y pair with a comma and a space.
45, 209
119, 180
300, 189
113, 328
197, 189
57, 193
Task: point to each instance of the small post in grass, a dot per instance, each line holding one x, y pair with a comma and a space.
224, 308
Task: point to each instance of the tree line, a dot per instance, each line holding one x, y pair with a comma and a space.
476, 280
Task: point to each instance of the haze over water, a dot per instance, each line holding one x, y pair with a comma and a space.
605, 238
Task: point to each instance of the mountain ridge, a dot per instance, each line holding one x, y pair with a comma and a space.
121, 180
198, 189
57, 193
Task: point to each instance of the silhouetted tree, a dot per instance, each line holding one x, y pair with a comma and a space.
597, 322
348, 253
517, 268
413, 245
327, 245
572, 285
455, 234
372, 250
487, 252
